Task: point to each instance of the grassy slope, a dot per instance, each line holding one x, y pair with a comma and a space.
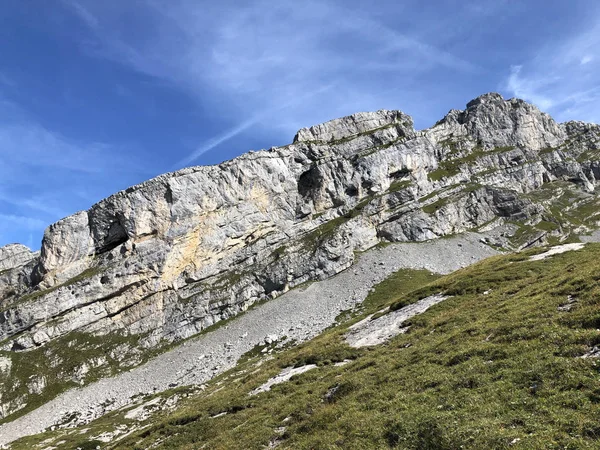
481, 370
58, 361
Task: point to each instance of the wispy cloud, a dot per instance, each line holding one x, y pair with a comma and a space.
218, 140
248, 59
562, 77
44, 203
33, 145
529, 88
29, 223
26, 226
231, 133
87, 17
7, 81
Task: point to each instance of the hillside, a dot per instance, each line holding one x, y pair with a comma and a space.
508, 360
153, 267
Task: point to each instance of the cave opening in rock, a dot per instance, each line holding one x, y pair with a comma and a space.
116, 236
309, 182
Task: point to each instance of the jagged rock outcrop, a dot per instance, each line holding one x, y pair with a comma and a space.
351, 126
493, 122
14, 255
16, 266
171, 256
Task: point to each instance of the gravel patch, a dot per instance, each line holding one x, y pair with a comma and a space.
300, 314
369, 331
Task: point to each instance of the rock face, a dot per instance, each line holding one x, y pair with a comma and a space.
14, 255
167, 258
493, 122
351, 126
16, 266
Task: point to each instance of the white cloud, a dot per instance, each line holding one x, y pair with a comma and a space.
251, 58
12, 225
236, 130
33, 145
83, 13
29, 223
217, 140
562, 77
528, 88
7, 81
44, 203
26, 144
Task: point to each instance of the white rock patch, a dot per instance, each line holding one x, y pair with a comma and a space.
557, 250
142, 412
593, 353
342, 363
5, 364
371, 331
284, 376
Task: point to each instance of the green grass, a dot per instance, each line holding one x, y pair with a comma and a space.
544, 225
229, 279
396, 285
496, 364
453, 145
568, 208
313, 239
443, 172
589, 155
354, 136
364, 133
524, 235
279, 252
224, 283
433, 207
466, 189
585, 213
363, 203
377, 148
399, 185
57, 361
449, 167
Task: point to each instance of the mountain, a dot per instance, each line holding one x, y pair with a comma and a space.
165, 260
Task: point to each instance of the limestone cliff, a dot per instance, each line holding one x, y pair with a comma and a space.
167, 258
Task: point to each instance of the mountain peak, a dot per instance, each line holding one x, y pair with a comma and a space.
491, 121
490, 97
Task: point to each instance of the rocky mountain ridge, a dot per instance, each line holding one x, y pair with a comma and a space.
164, 260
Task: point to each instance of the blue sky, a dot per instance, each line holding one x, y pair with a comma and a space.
96, 96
